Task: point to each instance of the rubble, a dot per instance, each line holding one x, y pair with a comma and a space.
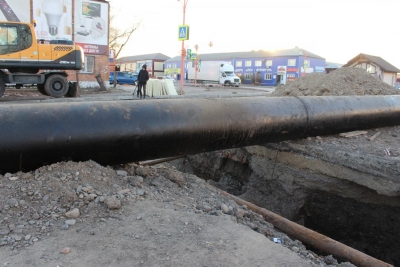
61, 204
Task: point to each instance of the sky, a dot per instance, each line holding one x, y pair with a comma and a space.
335, 30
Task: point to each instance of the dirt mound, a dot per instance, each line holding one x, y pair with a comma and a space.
343, 81
84, 214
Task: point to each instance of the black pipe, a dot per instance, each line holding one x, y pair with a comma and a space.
113, 132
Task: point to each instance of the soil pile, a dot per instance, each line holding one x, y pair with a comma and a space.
84, 214
343, 81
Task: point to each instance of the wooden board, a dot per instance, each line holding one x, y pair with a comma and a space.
351, 134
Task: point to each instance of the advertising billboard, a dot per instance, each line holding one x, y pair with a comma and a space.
53, 19
15, 10
91, 26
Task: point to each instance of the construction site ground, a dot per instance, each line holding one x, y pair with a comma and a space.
84, 214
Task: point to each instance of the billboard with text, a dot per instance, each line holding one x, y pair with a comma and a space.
91, 26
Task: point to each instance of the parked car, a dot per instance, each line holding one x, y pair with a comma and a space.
123, 78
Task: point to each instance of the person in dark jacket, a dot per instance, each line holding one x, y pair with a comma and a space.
142, 79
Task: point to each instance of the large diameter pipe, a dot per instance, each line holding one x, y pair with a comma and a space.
312, 238
114, 132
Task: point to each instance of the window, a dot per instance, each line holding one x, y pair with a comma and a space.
25, 37
258, 63
247, 76
239, 63
291, 62
371, 68
89, 64
8, 39
268, 76
248, 63
268, 63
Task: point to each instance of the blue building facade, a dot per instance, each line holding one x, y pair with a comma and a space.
260, 67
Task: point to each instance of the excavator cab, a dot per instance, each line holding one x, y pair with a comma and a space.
24, 56
14, 38
20, 51
16, 43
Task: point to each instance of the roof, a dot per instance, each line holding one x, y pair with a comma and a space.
156, 56
331, 65
383, 64
251, 54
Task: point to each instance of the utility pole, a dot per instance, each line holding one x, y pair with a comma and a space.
183, 52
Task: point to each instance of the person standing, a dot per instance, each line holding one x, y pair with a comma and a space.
143, 77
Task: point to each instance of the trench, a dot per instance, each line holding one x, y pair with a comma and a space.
368, 226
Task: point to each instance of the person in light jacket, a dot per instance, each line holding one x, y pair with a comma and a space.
142, 79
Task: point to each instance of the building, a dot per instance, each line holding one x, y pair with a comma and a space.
86, 22
376, 66
264, 67
154, 62
329, 67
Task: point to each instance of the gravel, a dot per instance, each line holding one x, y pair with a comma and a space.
70, 196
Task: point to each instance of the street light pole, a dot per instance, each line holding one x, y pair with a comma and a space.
184, 3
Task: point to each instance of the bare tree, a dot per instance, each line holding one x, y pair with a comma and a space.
119, 37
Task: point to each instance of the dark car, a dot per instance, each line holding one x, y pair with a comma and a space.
123, 78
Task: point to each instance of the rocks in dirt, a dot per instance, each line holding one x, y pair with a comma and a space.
112, 203
143, 171
88, 189
225, 209
4, 232
122, 173
135, 180
70, 222
174, 176
12, 202
58, 200
70, 197
330, 260
295, 249
66, 250
140, 192
123, 191
74, 213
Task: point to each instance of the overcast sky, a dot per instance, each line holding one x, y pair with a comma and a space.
336, 30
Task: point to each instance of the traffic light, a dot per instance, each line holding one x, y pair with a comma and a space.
199, 64
189, 53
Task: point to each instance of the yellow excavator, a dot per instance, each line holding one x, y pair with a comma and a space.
22, 56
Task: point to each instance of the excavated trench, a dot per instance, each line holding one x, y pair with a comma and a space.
353, 201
